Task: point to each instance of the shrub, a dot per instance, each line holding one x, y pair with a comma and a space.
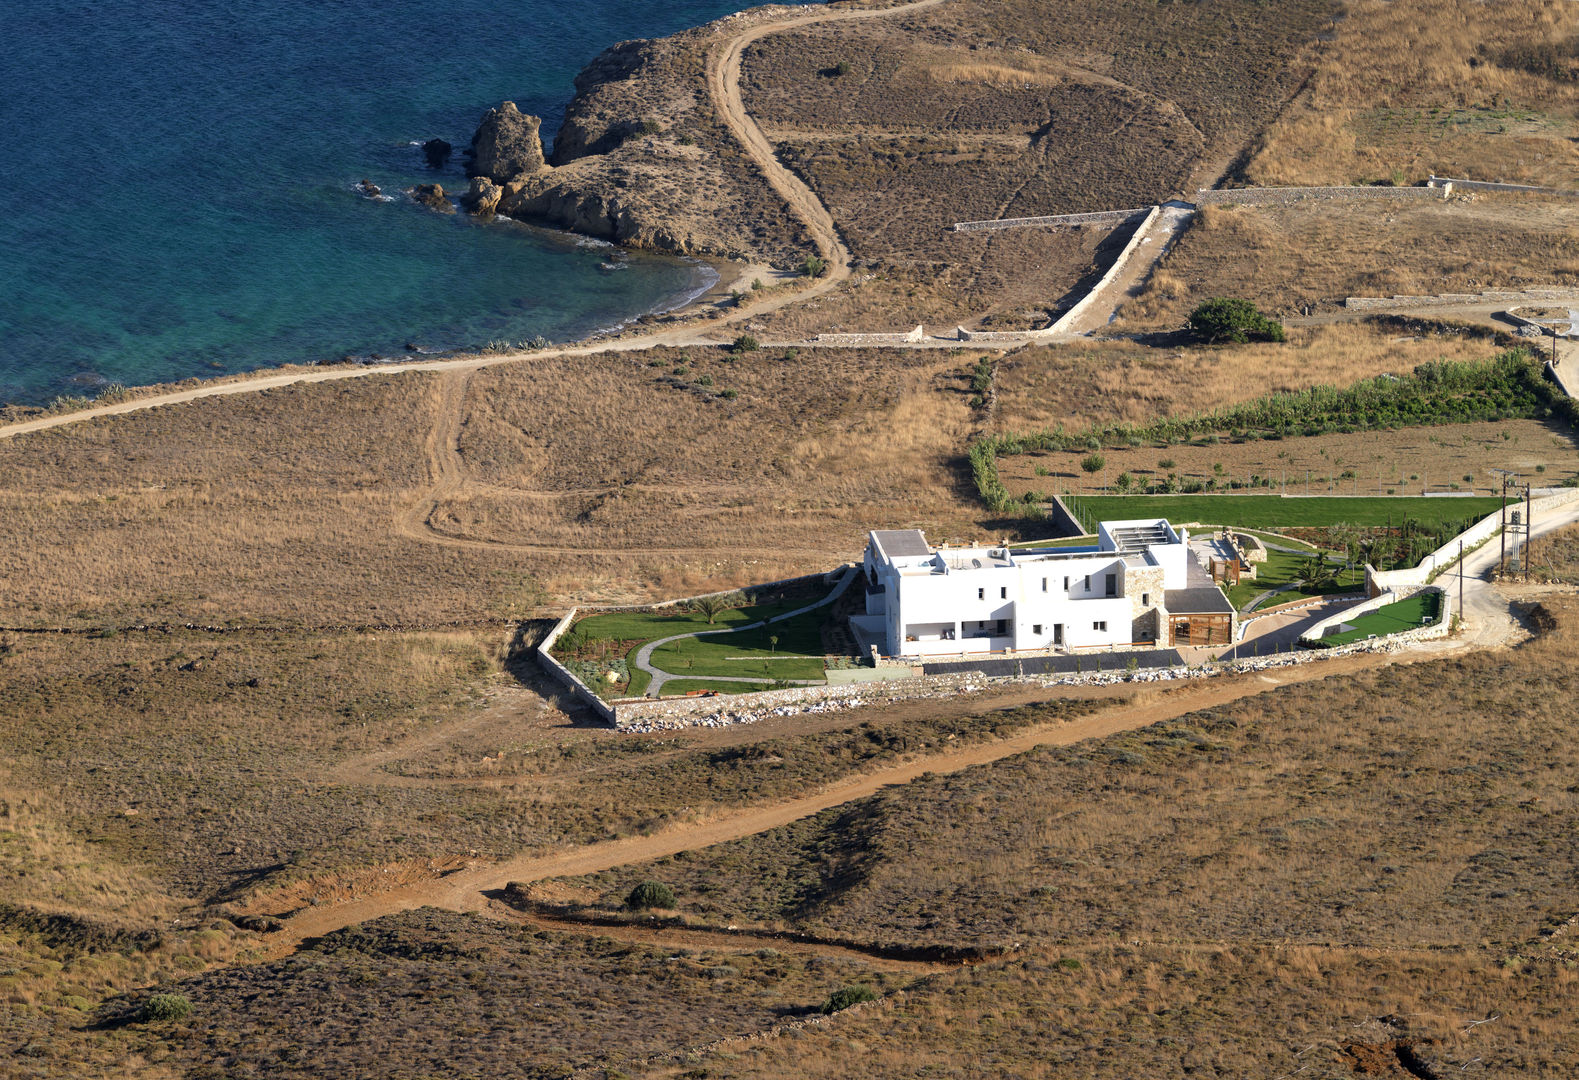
745, 343
841, 68
729, 395
161, 1008
846, 996
650, 894
813, 266
1093, 463
1224, 319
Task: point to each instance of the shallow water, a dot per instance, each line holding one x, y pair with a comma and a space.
183, 196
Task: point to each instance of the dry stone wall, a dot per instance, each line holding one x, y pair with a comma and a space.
1100, 217
1286, 196
1489, 296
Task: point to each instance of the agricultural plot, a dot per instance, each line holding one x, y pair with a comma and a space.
1402, 461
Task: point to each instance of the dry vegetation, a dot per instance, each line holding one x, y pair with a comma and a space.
1558, 555
974, 110
1308, 256
1394, 844
1403, 462
1405, 88
1084, 383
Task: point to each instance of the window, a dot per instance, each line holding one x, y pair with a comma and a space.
1058, 633
1044, 584
1066, 584
1003, 593
1145, 599
981, 594
1102, 626
1088, 583
1036, 629
1112, 584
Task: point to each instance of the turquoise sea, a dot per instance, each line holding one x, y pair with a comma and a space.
182, 197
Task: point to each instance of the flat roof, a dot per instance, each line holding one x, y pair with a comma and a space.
1196, 602
899, 543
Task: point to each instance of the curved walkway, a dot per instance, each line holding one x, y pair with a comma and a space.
642, 658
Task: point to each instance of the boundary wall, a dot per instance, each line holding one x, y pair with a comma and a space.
1429, 632
1451, 182
576, 687
1490, 296
1382, 581
896, 338
1284, 196
1100, 217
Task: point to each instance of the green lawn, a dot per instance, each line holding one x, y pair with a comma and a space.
681, 687
638, 683
1392, 619
749, 654
1281, 568
1274, 511
647, 626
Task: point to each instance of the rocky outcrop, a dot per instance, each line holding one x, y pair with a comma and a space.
368, 188
437, 151
507, 144
484, 196
432, 196
610, 104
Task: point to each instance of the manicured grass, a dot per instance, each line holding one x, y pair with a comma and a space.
648, 626
1281, 568
749, 654
638, 684
681, 687
1275, 511
1407, 614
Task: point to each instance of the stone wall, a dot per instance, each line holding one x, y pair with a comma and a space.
1101, 217
1489, 296
1286, 196
1450, 182
861, 340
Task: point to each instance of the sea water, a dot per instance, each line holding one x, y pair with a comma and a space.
182, 193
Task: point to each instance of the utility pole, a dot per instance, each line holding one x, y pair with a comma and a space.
1502, 561
1461, 583
1529, 526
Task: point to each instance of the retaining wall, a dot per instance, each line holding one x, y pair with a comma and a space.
1438, 629
1062, 326
1100, 217
564, 675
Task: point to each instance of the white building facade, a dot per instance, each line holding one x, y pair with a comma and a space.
925, 601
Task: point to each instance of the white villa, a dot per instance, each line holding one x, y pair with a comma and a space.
1132, 589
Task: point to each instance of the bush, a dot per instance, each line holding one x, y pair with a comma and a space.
161, 1008
1223, 319
844, 997
745, 343
650, 894
813, 266
1093, 463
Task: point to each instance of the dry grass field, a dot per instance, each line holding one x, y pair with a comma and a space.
1309, 256
1404, 88
1238, 888
1406, 461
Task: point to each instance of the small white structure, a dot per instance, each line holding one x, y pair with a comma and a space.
924, 601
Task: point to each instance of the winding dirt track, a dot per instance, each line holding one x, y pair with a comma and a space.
466, 890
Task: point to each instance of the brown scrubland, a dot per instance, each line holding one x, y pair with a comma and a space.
268, 652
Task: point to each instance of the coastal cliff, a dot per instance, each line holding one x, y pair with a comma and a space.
640, 160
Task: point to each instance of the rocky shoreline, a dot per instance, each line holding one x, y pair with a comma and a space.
640, 161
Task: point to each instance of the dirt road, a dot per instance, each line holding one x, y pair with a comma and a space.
465, 890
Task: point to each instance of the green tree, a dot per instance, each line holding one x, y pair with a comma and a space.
650, 894
745, 343
1225, 319
844, 997
813, 266
161, 1008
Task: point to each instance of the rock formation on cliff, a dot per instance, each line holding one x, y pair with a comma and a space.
641, 160
506, 145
